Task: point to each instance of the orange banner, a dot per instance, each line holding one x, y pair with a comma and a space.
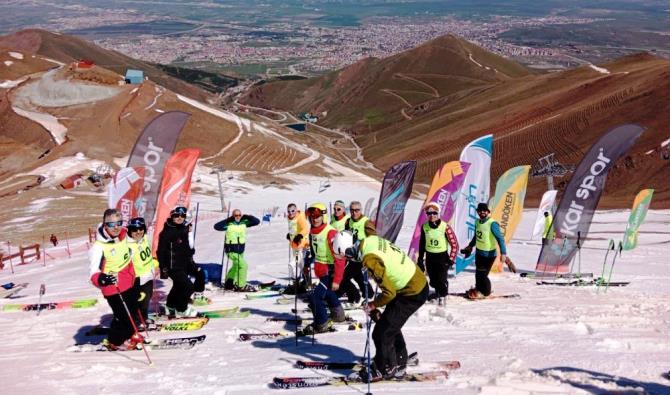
175, 187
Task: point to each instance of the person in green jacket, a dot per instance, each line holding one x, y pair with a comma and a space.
404, 290
234, 245
340, 216
487, 235
548, 234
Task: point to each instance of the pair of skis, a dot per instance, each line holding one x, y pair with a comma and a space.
188, 324
175, 343
71, 304
441, 372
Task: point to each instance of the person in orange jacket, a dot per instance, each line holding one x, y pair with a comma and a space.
298, 239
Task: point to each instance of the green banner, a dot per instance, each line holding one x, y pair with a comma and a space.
637, 216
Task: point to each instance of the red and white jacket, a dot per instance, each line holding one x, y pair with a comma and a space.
126, 277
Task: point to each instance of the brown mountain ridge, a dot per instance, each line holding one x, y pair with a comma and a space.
429, 102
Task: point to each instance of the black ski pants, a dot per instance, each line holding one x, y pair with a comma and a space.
387, 335
121, 328
437, 267
183, 288
353, 272
145, 293
483, 265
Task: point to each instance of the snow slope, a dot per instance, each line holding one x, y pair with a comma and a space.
553, 340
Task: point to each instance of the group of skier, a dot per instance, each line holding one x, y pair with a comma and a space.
123, 267
342, 250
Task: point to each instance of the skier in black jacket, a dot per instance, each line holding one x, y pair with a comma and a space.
175, 257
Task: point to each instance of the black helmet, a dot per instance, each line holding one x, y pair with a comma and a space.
136, 223
483, 207
179, 210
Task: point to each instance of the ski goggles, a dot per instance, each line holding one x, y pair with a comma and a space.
314, 212
181, 210
114, 224
432, 213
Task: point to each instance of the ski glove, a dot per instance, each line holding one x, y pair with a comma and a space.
164, 274
298, 238
375, 315
288, 236
466, 251
106, 279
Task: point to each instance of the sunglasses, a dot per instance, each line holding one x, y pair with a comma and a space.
431, 212
339, 209
114, 224
178, 215
355, 210
291, 211
237, 215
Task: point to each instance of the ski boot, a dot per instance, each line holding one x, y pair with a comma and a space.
246, 288
190, 312
135, 342
200, 300
312, 329
337, 314
109, 345
474, 294
375, 374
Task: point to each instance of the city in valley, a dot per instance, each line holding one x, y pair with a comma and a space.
307, 38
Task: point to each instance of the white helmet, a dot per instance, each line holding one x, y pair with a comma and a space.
343, 244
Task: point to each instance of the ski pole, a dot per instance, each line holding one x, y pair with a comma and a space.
39, 302
139, 314
610, 247
368, 324
132, 322
609, 278
579, 254
295, 289
195, 222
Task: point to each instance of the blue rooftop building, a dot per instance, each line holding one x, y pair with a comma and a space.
134, 76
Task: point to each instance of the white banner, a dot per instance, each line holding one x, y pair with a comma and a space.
546, 204
475, 190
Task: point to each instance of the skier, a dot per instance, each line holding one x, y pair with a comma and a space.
328, 267
340, 216
404, 291
235, 241
175, 257
360, 226
112, 271
439, 244
146, 267
487, 234
548, 234
298, 238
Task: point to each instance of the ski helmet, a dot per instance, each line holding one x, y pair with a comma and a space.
136, 223
179, 210
316, 209
343, 244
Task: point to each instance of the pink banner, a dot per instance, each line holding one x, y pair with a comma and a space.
443, 191
125, 192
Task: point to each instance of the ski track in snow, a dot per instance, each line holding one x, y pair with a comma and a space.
552, 340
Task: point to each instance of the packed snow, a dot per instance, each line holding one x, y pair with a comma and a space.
557, 340
57, 130
8, 63
8, 84
51, 91
601, 70
16, 55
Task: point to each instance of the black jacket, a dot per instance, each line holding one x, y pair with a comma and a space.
174, 252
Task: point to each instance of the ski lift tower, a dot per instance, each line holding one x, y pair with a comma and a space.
220, 170
549, 167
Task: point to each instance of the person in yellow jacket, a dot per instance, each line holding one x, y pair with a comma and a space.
298, 239
548, 234
360, 226
403, 291
146, 266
